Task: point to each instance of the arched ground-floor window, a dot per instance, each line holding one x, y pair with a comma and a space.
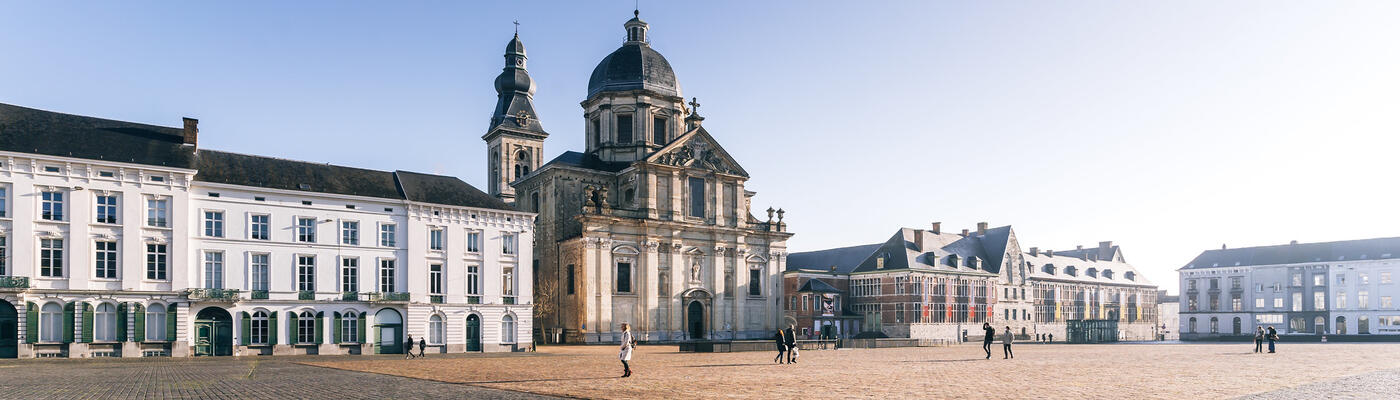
507, 329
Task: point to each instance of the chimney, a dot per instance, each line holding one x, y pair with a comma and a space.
1104, 246
919, 238
1049, 253
964, 233
191, 133
981, 228
1035, 251
1292, 242
937, 228
1079, 247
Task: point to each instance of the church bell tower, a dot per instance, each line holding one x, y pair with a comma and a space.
515, 139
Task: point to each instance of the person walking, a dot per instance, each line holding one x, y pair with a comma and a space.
1273, 337
625, 355
790, 341
422, 344
408, 347
1051, 338
1259, 339
1006, 339
988, 334
782, 347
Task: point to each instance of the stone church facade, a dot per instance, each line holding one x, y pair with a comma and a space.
651, 224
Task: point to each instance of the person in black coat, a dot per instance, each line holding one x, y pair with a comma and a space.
408, 347
989, 333
1273, 337
422, 344
790, 338
782, 346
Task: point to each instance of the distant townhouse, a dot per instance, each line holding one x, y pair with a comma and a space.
1340, 288
930, 284
120, 239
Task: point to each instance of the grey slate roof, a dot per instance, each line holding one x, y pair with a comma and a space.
1347, 250
586, 161
29, 130
634, 66
1082, 264
817, 286
845, 259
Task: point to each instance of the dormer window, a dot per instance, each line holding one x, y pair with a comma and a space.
1071, 271
1108, 274
1128, 275
1091, 272
953, 260
1048, 268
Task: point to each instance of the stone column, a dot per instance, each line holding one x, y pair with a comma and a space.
605, 289
589, 317
679, 282
741, 285
648, 290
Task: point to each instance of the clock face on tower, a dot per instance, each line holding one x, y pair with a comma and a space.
519, 61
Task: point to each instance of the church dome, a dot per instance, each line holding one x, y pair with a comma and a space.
634, 66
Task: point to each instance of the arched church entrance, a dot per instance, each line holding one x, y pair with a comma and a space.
695, 320
213, 332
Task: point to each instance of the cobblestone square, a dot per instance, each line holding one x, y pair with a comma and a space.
1038, 371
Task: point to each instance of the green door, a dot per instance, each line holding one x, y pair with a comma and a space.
473, 333
9, 330
204, 338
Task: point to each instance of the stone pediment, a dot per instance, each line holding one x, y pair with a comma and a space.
697, 149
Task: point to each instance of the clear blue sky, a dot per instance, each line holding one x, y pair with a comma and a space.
1169, 127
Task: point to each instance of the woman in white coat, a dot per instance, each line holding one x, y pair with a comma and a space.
628, 343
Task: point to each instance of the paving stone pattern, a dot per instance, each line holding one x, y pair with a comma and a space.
220, 378
1364, 386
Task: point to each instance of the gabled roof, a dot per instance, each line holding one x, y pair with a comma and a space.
29, 130
699, 150
1346, 250
817, 286
994, 243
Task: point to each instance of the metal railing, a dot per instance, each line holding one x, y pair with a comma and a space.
387, 297
259, 295
350, 296
306, 295
437, 299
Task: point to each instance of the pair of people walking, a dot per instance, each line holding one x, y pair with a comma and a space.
408, 347
989, 334
787, 345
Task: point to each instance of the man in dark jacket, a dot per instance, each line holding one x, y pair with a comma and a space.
1273, 337
782, 346
790, 336
421, 345
989, 333
408, 347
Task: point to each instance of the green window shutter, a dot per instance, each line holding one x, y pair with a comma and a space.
139, 312
171, 321
272, 328
361, 339
68, 323
335, 328
247, 328
121, 322
87, 323
31, 324
292, 323
320, 320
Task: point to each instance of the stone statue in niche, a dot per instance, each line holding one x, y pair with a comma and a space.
695, 270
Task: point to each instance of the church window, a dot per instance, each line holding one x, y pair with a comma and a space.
624, 129
535, 202
597, 133
624, 277
628, 196
755, 282
569, 278
697, 197
658, 130
522, 164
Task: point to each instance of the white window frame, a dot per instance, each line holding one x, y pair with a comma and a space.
305, 328
50, 323
306, 233
437, 329
255, 227
158, 212
388, 234
108, 256
508, 328
213, 269
473, 241
350, 232
52, 200
349, 274
473, 280
437, 238
305, 272
156, 324
508, 280
213, 225
104, 323
157, 262
437, 282
51, 254
350, 327
259, 331
509, 243
111, 211
388, 275
260, 273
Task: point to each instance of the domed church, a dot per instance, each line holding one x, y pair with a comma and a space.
650, 225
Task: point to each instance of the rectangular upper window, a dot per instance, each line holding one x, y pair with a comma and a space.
306, 273
4, 200
435, 279
473, 241
435, 239
387, 235
156, 261
106, 209
350, 233
658, 131
261, 266
259, 227
624, 129
214, 223
306, 230
105, 255
697, 197
349, 275
508, 243
51, 204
